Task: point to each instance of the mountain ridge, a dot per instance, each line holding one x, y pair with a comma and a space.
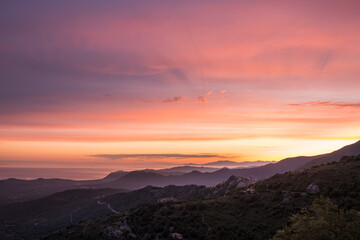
252, 212
13, 190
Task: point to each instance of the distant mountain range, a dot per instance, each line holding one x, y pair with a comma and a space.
14, 190
33, 209
252, 212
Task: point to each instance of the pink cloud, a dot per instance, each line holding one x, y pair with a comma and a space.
174, 99
202, 99
327, 104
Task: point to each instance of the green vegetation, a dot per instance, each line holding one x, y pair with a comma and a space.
324, 220
241, 214
40, 217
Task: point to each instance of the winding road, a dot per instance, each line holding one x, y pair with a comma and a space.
108, 206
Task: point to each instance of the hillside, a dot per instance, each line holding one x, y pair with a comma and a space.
245, 213
41, 216
35, 218
14, 190
350, 150
138, 179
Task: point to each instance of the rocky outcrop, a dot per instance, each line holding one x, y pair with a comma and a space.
232, 183
112, 232
286, 197
312, 188
176, 236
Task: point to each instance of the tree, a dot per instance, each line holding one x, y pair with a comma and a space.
323, 221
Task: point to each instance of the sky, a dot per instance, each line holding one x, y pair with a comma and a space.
151, 84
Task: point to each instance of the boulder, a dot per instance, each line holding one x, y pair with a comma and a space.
312, 188
176, 236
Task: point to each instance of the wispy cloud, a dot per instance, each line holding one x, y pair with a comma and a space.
154, 156
202, 99
211, 94
326, 104
174, 99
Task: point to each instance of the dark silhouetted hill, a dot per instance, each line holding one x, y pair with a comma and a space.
252, 212
13, 190
349, 150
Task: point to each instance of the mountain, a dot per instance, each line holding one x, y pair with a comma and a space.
203, 204
115, 175
27, 220
251, 212
56, 201
166, 171
301, 163
182, 169
36, 218
207, 167
14, 190
349, 150
139, 179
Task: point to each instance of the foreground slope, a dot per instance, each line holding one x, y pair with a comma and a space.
36, 218
26, 220
255, 213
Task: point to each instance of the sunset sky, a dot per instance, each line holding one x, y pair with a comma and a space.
150, 84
